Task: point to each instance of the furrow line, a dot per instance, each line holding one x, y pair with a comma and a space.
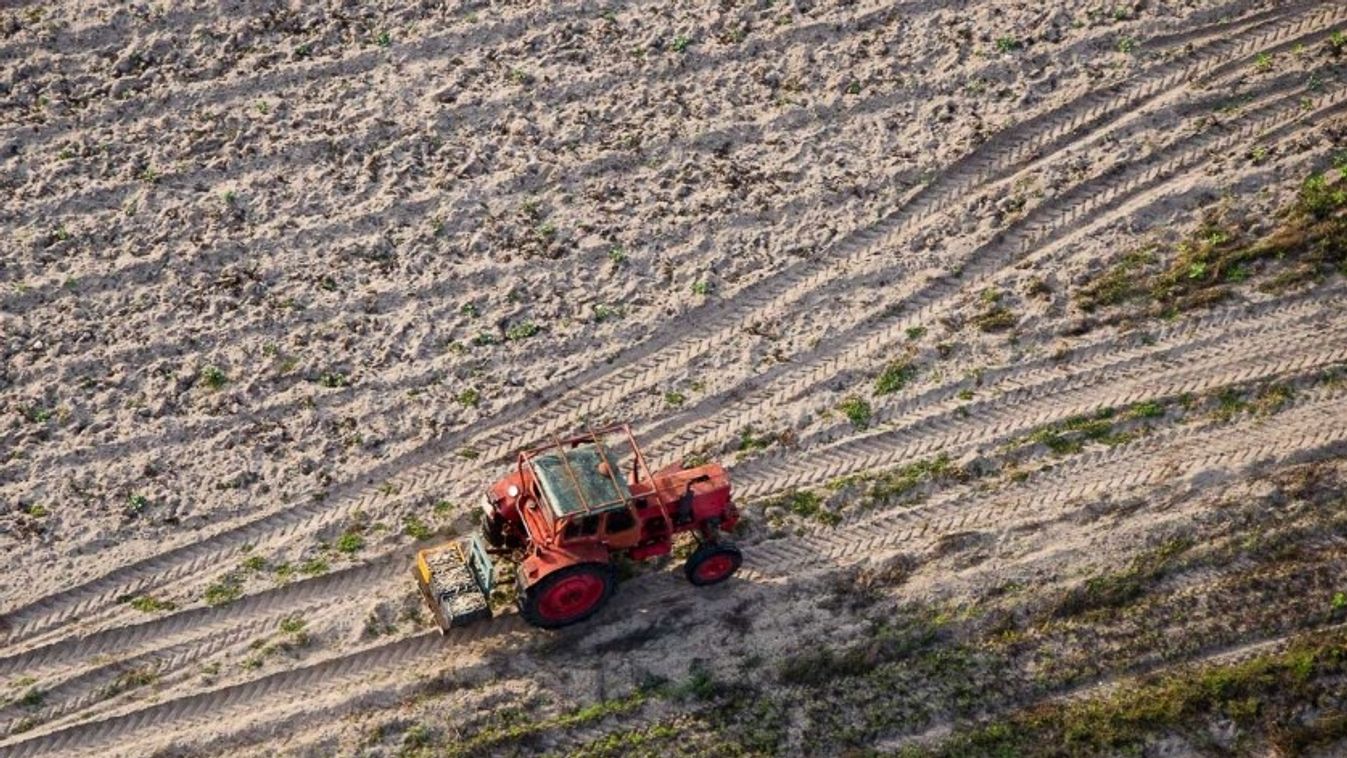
1038, 233
269, 604
1027, 140
1299, 431
996, 420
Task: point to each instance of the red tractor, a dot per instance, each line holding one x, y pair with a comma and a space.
564, 514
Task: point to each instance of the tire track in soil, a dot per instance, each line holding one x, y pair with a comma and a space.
1013, 149
1024, 140
1298, 434
1273, 329
1033, 238
257, 611
222, 425
1114, 357
388, 566
1167, 42
218, 423
995, 422
1261, 330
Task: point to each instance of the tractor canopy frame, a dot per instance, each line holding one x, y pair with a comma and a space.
580, 475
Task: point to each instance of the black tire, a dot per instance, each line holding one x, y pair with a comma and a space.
539, 607
713, 563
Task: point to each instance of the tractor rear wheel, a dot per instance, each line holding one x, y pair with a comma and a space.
713, 562
567, 596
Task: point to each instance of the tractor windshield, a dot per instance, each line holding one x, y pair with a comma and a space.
581, 478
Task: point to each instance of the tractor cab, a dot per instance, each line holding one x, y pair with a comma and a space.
587, 490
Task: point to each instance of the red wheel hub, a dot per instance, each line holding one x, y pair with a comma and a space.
716, 567
571, 597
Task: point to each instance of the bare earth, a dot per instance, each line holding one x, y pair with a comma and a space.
1019, 324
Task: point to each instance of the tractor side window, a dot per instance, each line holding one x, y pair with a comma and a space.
582, 527
619, 521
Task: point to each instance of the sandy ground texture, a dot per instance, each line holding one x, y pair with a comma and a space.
1018, 325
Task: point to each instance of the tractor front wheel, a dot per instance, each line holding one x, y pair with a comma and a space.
567, 596
713, 562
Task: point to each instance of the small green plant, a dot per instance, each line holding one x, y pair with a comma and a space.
36, 511
674, 398
701, 287
680, 43
32, 698
1127, 45
807, 504
854, 88
333, 379
1339, 601
469, 310
996, 319
384, 39
857, 411
1337, 42
1229, 403
1318, 200
213, 377
130, 680
483, 339
254, 563
1007, 44
227, 589
314, 566
263, 108
151, 604
292, 624
418, 737
138, 503
469, 398
350, 542
416, 528
521, 331
1238, 273
617, 255
1148, 409
604, 312
1262, 63
751, 442
1272, 399
37, 414
915, 333
895, 376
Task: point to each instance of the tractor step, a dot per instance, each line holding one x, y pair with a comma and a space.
455, 580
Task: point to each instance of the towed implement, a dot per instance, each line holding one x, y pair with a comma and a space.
564, 514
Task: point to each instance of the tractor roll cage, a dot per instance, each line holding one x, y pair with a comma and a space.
585, 488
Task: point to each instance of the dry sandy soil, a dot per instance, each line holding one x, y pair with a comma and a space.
1018, 323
